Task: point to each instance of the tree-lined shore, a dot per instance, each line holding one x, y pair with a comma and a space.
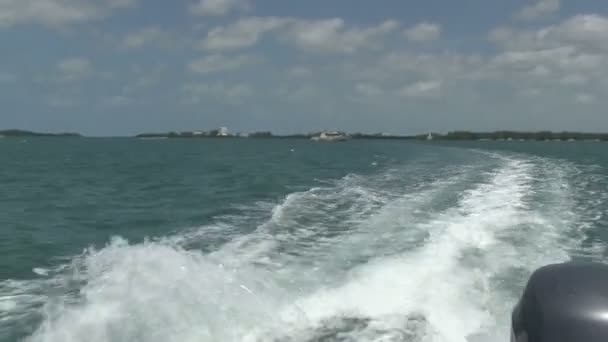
23, 133
450, 136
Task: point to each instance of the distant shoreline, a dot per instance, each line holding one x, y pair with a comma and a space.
17, 133
450, 136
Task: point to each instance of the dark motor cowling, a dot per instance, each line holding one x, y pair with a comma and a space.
563, 303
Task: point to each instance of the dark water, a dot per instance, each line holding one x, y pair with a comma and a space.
262, 240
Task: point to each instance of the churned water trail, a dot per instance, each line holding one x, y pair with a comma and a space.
408, 252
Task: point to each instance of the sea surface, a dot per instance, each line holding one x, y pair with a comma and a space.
108, 240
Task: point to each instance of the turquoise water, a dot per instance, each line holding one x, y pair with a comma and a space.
268, 240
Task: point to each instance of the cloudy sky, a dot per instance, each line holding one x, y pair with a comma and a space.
117, 67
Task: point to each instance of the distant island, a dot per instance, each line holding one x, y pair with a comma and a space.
519, 136
450, 136
223, 132
9, 133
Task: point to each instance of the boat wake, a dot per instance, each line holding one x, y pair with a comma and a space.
397, 256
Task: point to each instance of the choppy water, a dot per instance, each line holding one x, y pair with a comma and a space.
237, 240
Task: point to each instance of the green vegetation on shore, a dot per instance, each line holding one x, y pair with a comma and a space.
451, 136
21, 133
514, 135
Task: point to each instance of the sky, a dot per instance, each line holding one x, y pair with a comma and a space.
121, 67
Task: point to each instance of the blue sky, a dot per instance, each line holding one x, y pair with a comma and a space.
119, 67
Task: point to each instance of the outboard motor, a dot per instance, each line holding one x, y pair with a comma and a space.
563, 303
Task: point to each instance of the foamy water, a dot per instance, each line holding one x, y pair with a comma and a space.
363, 258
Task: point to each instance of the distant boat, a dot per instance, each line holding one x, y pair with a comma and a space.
331, 137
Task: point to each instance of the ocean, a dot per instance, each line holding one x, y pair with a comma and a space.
107, 240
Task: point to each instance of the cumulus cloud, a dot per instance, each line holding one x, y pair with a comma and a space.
582, 31
217, 63
145, 36
72, 69
423, 32
540, 71
565, 58
323, 35
332, 35
245, 32
218, 7
422, 89
539, 9
589, 28
573, 51
528, 62
56, 12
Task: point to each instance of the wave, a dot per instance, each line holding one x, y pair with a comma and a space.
406, 254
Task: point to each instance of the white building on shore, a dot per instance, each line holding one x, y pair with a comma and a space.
222, 132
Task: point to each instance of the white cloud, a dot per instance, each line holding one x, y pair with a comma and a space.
196, 93
590, 29
146, 36
244, 33
584, 98
574, 80
56, 12
539, 9
566, 58
217, 63
324, 35
582, 31
540, 71
423, 32
332, 35
570, 53
72, 69
422, 89
218, 7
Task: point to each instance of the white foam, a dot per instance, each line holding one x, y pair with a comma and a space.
41, 271
152, 292
434, 280
361, 247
